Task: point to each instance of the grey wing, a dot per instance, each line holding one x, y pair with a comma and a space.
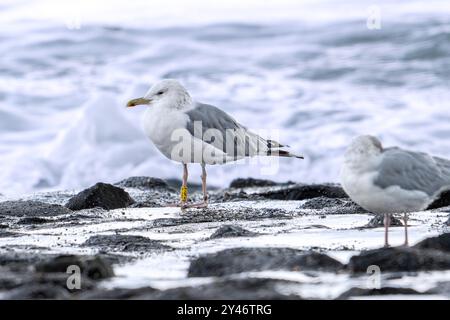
219, 129
413, 171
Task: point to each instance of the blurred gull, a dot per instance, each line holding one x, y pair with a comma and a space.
392, 180
191, 132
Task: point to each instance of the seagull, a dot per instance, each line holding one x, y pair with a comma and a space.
392, 180
186, 131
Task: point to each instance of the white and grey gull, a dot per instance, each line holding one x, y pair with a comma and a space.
187, 131
392, 180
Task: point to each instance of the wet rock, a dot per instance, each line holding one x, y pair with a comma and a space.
31, 209
250, 182
239, 260
302, 192
400, 259
442, 201
33, 220
442, 287
60, 280
228, 196
378, 221
281, 192
175, 184
358, 292
7, 234
143, 183
441, 242
320, 203
146, 204
228, 231
228, 289
19, 261
101, 195
333, 205
218, 214
93, 267
126, 243
9, 280
34, 291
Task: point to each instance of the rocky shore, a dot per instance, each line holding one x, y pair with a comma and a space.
257, 240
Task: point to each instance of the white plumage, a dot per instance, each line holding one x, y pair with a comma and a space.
191, 132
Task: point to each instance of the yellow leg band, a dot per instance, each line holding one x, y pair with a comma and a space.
184, 193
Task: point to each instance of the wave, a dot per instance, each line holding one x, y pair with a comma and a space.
319, 82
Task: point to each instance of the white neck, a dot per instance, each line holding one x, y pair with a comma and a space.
359, 161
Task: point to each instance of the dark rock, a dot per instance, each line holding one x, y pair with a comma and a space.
400, 259
34, 291
447, 223
225, 289
126, 243
228, 231
442, 201
358, 292
31, 209
3, 226
7, 234
441, 242
92, 267
143, 183
284, 191
19, 260
33, 220
302, 192
9, 280
250, 182
227, 196
101, 195
59, 280
238, 260
146, 204
233, 289
442, 287
175, 184
320, 203
378, 221
333, 205
218, 214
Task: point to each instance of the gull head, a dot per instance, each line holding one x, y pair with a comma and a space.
167, 93
363, 149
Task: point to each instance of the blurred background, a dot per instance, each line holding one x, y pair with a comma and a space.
321, 72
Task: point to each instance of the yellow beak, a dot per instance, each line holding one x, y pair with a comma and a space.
138, 101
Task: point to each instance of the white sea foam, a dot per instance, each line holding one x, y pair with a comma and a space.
310, 69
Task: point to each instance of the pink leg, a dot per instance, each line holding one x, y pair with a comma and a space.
387, 222
405, 221
205, 193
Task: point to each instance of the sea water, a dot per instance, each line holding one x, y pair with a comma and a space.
317, 73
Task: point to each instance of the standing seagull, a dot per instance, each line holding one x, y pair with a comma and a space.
191, 132
392, 180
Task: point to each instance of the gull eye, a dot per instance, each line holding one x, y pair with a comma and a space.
160, 93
